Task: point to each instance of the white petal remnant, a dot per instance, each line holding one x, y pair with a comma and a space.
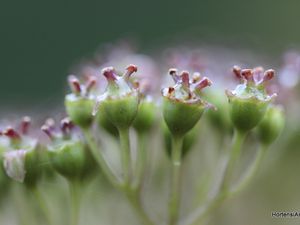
14, 164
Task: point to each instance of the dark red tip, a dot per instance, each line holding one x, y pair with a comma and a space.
268, 75
170, 90
132, 68
173, 71
49, 127
129, 71
66, 125
25, 124
185, 78
237, 71
205, 82
109, 73
247, 74
47, 130
11, 133
74, 84
91, 82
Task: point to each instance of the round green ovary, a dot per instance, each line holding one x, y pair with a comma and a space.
69, 159
246, 113
80, 111
121, 112
181, 117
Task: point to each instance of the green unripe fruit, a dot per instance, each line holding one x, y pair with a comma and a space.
249, 101
22, 159
119, 104
33, 167
48, 171
23, 166
247, 113
145, 116
105, 123
271, 125
182, 104
68, 154
80, 109
181, 117
80, 103
91, 167
219, 118
121, 112
69, 159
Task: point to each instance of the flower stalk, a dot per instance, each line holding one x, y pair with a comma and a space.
75, 201
234, 155
251, 171
141, 161
174, 200
125, 155
42, 205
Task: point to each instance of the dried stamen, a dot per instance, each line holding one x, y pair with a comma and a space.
185, 78
48, 131
237, 72
173, 73
268, 75
170, 90
66, 125
12, 134
91, 82
74, 84
247, 74
25, 124
205, 82
129, 71
109, 73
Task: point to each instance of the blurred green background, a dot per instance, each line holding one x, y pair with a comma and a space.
41, 40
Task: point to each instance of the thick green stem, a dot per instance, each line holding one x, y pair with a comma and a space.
251, 171
100, 159
75, 197
125, 154
141, 160
42, 205
234, 155
174, 201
